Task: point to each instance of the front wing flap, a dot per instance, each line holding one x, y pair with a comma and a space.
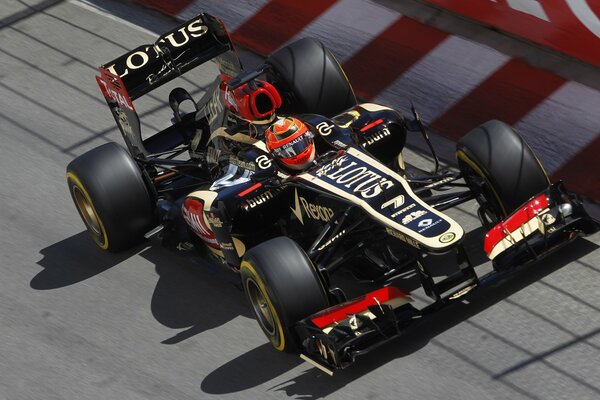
334, 337
546, 222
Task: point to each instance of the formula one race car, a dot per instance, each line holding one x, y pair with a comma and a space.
286, 180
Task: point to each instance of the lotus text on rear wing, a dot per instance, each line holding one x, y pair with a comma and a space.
142, 56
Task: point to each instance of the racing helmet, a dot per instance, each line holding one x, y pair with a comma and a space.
291, 143
254, 102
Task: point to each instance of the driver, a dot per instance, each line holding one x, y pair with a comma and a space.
291, 143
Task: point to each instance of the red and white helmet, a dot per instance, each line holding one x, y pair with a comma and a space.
291, 143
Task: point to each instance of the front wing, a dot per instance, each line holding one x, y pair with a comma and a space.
332, 339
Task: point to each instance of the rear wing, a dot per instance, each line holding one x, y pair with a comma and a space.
192, 43
132, 75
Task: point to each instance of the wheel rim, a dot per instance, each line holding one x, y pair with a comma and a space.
87, 211
261, 308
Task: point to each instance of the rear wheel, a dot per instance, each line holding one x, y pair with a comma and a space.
311, 79
282, 287
498, 164
111, 196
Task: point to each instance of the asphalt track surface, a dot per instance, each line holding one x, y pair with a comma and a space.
76, 323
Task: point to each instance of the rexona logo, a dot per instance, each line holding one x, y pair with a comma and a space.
358, 178
312, 211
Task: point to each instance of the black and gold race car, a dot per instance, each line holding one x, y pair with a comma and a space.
209, 181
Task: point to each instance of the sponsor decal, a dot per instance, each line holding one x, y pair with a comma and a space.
406, 239
376, 137
413, 216
440, 182
113, 95
364, 181
340, 144
123, 122
312, 211
402, 211
548, 219
359, 178
142, 56
192, 212
331, 166
397, 202
330, 241
213, 108
264, 162
258, 200
447, 237
426, 224
324, 128
214, 220
249, 165
227, 246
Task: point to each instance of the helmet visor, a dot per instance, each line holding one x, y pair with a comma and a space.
294, 147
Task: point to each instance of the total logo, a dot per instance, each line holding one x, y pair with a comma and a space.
114, 95
312, 211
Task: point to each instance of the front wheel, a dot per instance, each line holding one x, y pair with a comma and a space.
282, 287
501, 168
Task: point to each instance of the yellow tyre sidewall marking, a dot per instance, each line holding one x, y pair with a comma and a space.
74, 178
246, 265
462, 156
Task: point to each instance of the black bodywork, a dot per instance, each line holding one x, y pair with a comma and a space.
211, 149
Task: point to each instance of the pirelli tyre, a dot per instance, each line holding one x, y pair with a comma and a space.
282, 288
310, 79
499, 165
111, 196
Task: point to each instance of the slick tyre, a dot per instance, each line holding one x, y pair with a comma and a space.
111, 196
498, 164
311, 79
282, 288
